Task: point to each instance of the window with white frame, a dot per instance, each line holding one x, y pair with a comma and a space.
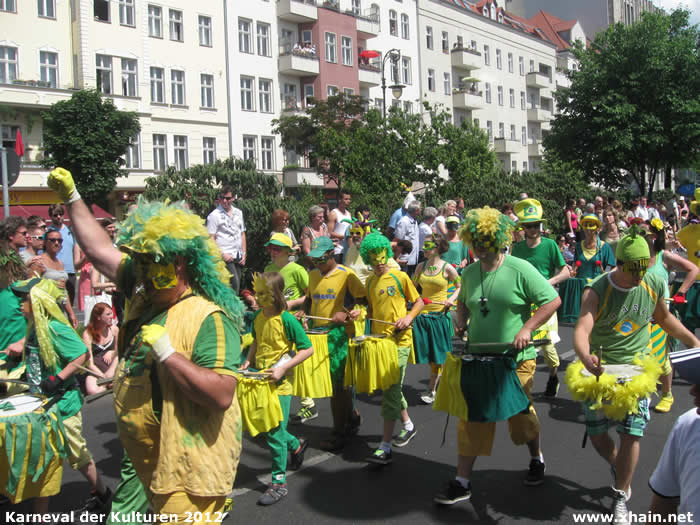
393, 23
487, 55
524, 165
407, 107
205, 38
208, 150
445, 42
331, 91
155, 21
405, 28
306, 36
331, 48
265, 95
521, 65
129, 81
133, 153
431, 80
489, 130
406, 70
501, 130
522, 100
46, 8
348, 92
247, 93
429, 37
499, 60
157, 85
510, 62
308, 94
48, 68
267, 153
207, 89
160, 153
176, 27
263, 34
8, 6
126, 13
460, 42
511, 96
523, 136
513, 164
180, 151
249, 147
512, 132
487, 92
356, 7
177, 87
378, 104
532, 66
244, 36
500, 95
476, 123
103, 66
446, 81
100, 10
346, 50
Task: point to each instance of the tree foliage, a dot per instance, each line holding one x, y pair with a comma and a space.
633, 108
89, 136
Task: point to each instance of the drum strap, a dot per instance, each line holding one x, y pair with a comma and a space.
604, 302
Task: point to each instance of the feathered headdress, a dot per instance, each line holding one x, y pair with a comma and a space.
487, 227
360, 224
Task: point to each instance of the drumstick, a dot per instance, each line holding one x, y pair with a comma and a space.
670, 300
600, 359
91, 398
538, 342
104, 380
88, 371
320, 318
430, 301
15, 381
380, 321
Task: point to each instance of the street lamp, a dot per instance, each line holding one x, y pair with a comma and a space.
396, 89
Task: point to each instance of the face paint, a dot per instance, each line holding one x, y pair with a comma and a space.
637, 268
429, 245
485, 243
162, 276
263, 294
589, 225
378, 257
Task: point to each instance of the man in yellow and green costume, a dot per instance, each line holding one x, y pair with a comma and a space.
177, 413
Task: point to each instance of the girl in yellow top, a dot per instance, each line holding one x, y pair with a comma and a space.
432, 331
275, 333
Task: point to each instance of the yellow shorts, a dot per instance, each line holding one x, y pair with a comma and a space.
186, 508
76, 447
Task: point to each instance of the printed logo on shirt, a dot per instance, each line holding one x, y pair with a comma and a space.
626, 327
391, 291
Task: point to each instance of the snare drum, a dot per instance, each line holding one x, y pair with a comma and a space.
373, 363
312, 377
32, 447
260, 406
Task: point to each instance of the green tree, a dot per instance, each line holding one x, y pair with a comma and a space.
633, 108
89, 136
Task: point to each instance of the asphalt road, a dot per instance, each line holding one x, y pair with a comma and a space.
344, 489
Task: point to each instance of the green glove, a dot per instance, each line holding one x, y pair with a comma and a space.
61, 181
157, 337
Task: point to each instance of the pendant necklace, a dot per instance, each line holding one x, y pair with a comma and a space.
483, 300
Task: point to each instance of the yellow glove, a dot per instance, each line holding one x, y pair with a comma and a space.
157, 338
61, 181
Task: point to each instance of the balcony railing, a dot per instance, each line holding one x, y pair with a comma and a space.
457, 47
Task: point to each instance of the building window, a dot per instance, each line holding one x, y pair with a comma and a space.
393, 23
180, 150
8, 64
460, 42
265, 95
532, 66
349, 92
346, 49
500, 95
406, 70
445, 42
407, 107
244, 36
331, 91
46, 8
158, 85
521, 65
129, 83
487, 89
524, 165
177, 85
476, 123
429, 37
126, 12
511, 95
405, 29
378, 104
176, 28
331, 48
160, 153
263, 33
207, 91
446, 83
512, 132
308, 94
510, 62
208, 150
523, 136
356, 7
48, 65
267, 152
489, 130
133, 153
249, 148
104, 74
431, 80
487, 56
247, 93
205, 31
101, 10
501, 130
8, 6
522, 100
499, 60
155, 21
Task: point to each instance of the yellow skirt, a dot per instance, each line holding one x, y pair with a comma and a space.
372, 365
312, 377
449, 397
260, 405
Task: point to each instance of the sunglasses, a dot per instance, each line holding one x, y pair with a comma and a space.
531, 226
35, 237
320, 260
57, 215
24, 233
57, 241
226, 198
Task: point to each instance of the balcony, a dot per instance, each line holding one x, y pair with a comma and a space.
503, 145
367, 24
465, 58
467, 99
297, 60
535, 149
292, 106
539, 115
370, 76
297, 11
535, 79
295, 176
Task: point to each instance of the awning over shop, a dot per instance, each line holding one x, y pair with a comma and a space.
42, 210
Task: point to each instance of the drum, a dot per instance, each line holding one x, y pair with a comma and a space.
373, 363
312, 377
260, 405
618, 390
449, 397
32, 447
570, 292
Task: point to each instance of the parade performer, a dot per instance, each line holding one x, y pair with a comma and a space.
388, 291
433, 330
275, 334
14, 326
177, 414
332, 286
615, 313
689, 237
497, 293
543, 253
360, 228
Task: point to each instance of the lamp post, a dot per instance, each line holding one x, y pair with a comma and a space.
397, 88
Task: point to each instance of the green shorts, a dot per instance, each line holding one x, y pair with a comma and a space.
634, 424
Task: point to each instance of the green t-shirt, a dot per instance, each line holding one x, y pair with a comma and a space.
622, 322
457, 252
296, 280
510, 291
14, 326
590, 268
545, 257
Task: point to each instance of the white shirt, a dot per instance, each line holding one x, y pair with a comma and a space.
424, 230
642, 212
227, 230
340, 228
407, 230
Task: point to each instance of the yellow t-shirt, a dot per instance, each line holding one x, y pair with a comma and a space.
387, 295
434, 287
328, 291
690, 239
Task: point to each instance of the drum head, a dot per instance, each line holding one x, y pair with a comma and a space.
622, 372
361, 338
20, 404
317, 331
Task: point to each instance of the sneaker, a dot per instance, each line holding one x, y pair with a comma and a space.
334, 443
665, 403
552, 387
228, 506
297, 458
353, 426
379, 457
273, 494
453, 492
96, 503
402, 439
304, 415
535, 474
620, 512
428, 397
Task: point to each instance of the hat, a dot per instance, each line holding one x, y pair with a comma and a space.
452, 218
528, 210
632, 247
22, 287
591, 217
320, 246
681, 198
280, 239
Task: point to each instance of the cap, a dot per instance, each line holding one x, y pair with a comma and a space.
528, 210
681, 198
280, 239
320, 246
632, 247
452, 218
591, 217
22, 287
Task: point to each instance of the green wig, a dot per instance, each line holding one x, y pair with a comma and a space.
488, 227
374, 242
166, 230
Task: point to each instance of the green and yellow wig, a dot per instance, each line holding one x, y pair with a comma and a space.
374, 242
487, 227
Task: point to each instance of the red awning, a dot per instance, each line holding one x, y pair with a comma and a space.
42, 210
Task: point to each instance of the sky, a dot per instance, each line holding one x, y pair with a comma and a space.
692, 5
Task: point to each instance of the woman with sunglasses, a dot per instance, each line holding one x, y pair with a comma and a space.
54, 269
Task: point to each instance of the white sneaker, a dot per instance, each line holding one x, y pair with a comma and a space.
620, 512
428, 397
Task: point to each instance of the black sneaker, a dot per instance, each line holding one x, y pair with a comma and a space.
297, 458
273, 494
402, 439
379, 457
96, 503
535, 474
304, 415
453, 492
552, 387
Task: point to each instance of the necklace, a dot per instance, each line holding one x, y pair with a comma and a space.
483, 300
